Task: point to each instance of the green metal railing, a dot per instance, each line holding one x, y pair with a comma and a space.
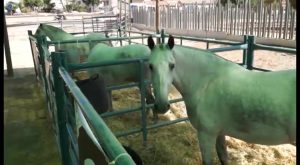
248, 46
66, 138
112, 147
141, 84
64, 119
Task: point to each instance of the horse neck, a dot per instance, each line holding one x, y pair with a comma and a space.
58, 34
195, 68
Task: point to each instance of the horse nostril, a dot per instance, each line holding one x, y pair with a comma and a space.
168, 106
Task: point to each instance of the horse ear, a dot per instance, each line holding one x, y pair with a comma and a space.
151, 43
171, 42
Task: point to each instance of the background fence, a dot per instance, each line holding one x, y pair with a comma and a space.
276, 20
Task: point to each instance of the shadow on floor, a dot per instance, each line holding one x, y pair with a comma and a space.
28, 135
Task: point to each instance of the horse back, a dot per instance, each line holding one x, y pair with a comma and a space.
248, 105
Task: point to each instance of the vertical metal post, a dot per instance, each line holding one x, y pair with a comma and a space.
259, 9
281, 17
120, 35
162, 36
61, 24
83, 25
250, 52
269, 20
143, 106
42, 42
245, 51
180, 40
10, 71
157, 20
33, 56
207, 45
264, 21
249, 10
60, 103
286, 17
93, 24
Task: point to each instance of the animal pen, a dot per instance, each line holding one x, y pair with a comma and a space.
66, 103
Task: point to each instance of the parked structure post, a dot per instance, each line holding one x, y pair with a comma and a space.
10, 71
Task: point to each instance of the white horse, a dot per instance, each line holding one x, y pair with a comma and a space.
223, 98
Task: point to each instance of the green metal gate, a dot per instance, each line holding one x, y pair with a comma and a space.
65, 101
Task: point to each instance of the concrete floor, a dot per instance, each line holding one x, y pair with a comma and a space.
28, 135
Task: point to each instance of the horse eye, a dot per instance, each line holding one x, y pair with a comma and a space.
171, 66
151, 67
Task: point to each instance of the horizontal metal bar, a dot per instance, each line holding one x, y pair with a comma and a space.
235, 47
166, 123
275, 48
128, 85
86, 65
132, 42
176, 100
128, 132
93, 40
261, 69
117, 87
115, 113
160, 124
139, 32
119, 112
104, 16
170, 101
207, 40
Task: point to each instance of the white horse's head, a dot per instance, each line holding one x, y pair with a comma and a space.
162, 66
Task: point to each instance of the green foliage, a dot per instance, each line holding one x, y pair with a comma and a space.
33, 3
91, 2
292, 2
48, 6
76, 7
26, 10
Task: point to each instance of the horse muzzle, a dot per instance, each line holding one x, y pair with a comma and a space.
161, 108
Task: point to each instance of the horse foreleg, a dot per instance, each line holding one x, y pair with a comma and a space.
221, 149
206, 144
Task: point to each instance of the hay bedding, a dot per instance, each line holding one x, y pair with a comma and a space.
177, 144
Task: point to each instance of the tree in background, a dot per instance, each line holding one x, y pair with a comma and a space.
292, 2
76, 6
48, 6
91, 2
33, 3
